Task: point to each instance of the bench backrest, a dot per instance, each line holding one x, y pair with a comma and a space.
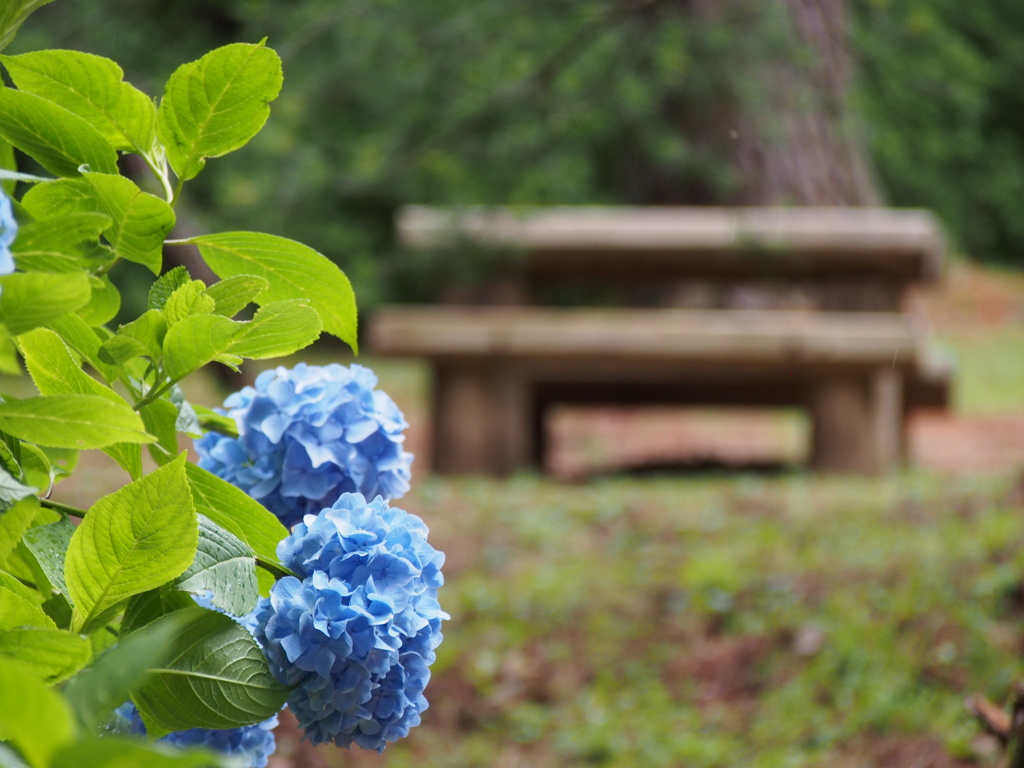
828, 258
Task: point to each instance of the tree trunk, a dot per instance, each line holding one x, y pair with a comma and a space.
790, 132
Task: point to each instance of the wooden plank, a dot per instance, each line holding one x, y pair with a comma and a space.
903, 244
570, 335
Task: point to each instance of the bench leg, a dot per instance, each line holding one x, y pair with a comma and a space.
482, 421
858, 425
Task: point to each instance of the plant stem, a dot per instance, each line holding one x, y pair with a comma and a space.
154, 394
64, 509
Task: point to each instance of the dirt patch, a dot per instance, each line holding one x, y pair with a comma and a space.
902, 751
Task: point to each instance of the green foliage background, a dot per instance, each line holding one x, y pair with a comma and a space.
569, 101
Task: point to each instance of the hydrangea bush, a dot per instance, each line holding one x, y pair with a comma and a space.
101, 637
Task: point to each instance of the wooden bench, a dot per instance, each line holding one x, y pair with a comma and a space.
857, 371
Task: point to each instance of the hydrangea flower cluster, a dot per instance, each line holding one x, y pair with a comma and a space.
307, 435
8, 231
254, 743
356, 632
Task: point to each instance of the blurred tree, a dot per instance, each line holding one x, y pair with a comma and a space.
587, 101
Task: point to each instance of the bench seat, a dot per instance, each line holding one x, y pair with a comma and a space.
498, 369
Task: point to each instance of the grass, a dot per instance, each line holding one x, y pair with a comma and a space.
782, 621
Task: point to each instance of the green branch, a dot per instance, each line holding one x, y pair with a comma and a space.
64, 509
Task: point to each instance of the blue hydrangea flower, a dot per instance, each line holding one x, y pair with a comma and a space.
356, 631
309, 434
254, 743
8, 231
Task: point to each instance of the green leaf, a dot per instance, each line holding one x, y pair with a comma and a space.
225, 566
141, 220
31, 299
104, 302
11, 583
217, 104
12, 491
211, 421
58, 140
146, 608
53, 654
165, 285
293, 270
8, 357
60, 197
72, 421
37, 470
195, 341
49, 545
99, 690
32, 717
17, 612
92, 88
215, 677
143, 336
83, 340
188, 299
14, 522
237, 512
12, 14
55, 372
233, 294
69, 242
160, 418
131, 541
126, 752
278, 329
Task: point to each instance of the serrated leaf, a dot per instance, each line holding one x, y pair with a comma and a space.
294, 271
195, 341
104, 302
67, 243
143, 336
131, 541
188, 299
8, 356
216, 677
233, 294
92, 88
31, 299
55, 372
72, 421
58, 140
60, 197
211, 421
160, 417
36, 468
97, 691
83, 340
49, 545
53, 654
225, 566
12, 14
237, 512
141, 220
16, 612
278, 329
13, 524
32, 717
162, 288
10, 582
217, 104
149, 606
12, 491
